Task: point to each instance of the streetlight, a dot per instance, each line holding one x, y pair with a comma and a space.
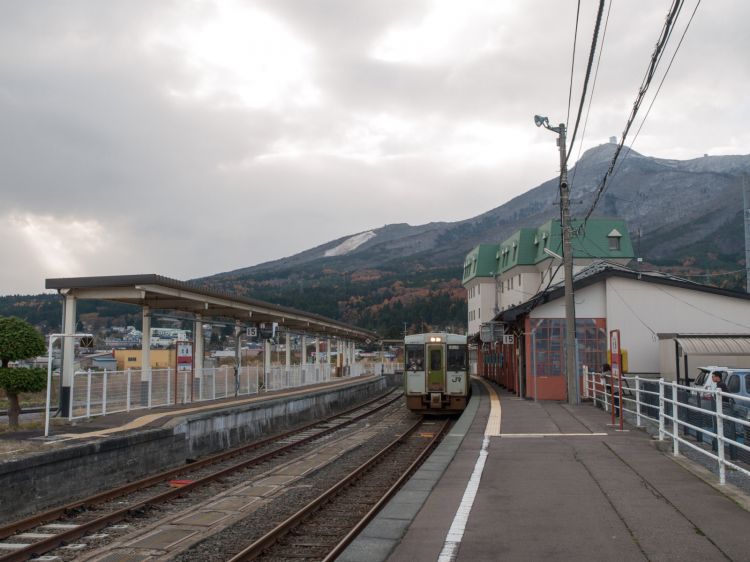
567, 258
52, 339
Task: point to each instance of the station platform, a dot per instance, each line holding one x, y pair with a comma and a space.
89, 456
519, 480
120, 423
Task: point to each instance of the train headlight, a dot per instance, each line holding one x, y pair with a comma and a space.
434, 339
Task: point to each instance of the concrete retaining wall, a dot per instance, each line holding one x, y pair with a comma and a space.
210, 432
42, 480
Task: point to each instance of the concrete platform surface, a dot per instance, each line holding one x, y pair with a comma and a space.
559, 484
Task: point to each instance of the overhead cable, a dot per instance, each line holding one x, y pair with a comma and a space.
666, 31
594, 41
593, 89
661, 83
573, 63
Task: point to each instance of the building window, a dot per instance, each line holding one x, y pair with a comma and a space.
614, 239
479, 313
549, 344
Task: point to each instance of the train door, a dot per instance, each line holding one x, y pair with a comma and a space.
458, 380
415, 376
436, 367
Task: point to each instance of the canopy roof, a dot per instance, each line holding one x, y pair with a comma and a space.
714, 344
158, 292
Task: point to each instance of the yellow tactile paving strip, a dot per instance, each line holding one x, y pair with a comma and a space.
149, 418
494, 421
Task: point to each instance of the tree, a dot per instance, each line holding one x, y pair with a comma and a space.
19, 340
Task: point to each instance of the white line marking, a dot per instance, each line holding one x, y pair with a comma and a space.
456, 532
522, 435
458, 526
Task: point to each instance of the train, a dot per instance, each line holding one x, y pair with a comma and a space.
436, 373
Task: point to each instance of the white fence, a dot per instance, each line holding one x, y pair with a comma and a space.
98, 393
687, 415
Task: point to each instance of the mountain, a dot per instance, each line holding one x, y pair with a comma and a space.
675, 205
684, 216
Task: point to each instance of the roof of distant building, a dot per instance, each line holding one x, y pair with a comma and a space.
602, 270
527, 246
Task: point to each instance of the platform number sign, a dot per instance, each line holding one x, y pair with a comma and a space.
184, 356
252, 332
614, 347
508, 339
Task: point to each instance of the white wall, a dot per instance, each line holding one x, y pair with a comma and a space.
522, 291
640, 310
590, 303
480, 293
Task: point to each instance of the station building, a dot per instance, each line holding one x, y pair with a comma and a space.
515, 289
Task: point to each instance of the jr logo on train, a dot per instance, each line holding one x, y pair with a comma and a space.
436, 374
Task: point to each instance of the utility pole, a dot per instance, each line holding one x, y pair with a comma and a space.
570, 312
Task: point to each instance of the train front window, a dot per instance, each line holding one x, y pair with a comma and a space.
415, 357
457, 356
436, 359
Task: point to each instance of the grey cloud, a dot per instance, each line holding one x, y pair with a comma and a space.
188, 187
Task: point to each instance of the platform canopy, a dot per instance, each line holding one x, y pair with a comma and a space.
162, 293
714, 344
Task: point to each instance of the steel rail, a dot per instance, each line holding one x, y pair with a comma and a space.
267, 540
45, 545
56, 513
350, 536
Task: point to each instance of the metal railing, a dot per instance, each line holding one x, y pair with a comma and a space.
687, 415
98, 393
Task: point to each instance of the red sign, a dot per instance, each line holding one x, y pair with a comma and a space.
184, 355
614, 348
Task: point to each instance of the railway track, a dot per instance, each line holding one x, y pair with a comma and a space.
324, 527
42, 533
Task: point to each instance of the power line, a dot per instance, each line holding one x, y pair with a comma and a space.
666, 31
648, 111
573, 64
720, 274
594, 41
707, 312
630, 308
593, 89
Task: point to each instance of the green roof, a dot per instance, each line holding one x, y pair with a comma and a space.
591, 242
526, 246
480, 262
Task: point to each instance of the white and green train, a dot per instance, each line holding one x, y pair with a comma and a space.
436, 374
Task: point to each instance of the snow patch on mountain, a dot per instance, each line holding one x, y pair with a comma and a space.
350, 244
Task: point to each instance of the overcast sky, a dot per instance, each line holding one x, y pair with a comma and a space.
187, 138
